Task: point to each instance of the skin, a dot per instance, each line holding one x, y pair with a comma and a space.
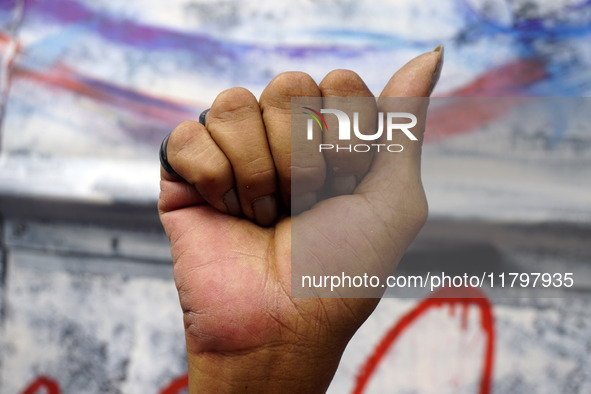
230, 232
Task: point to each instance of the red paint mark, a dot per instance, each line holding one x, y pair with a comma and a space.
175, 387
11, 48
442, 297
5, 38
463, 116
446, 296
51, 386
118, 98
507, 80
65, 79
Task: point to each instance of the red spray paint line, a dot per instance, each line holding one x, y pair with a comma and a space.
177, 385
506, 80
499, 91
443, 122
141, 104
465, 115
61, 78
51, 386
446, 296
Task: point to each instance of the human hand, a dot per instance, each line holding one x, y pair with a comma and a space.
231, 239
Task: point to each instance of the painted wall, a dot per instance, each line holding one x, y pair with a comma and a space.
90, 88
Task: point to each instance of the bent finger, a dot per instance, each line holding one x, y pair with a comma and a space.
347, 160
300, 167
236, 125
195, 156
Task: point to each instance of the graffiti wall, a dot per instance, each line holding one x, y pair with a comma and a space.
89, 89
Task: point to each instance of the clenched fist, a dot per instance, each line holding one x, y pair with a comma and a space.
243, 184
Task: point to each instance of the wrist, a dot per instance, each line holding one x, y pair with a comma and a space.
284, 368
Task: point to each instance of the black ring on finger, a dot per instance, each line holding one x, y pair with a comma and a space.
164, 159
203, 116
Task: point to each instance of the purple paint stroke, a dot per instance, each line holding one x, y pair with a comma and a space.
129, 32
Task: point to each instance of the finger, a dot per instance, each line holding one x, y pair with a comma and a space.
346, 165
236, 125
199, 161
396, 174
176, 193
300, 166
407, 91
418, 77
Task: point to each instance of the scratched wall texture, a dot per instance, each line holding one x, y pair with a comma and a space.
90, 88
